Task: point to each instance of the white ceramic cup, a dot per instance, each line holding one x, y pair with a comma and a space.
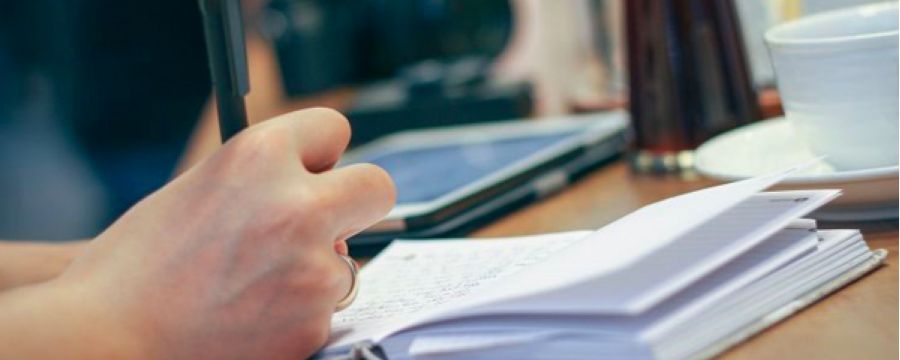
837, 76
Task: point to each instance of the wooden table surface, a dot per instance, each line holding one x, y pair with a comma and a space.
859, 321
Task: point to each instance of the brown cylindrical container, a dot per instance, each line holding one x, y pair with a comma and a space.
688, 76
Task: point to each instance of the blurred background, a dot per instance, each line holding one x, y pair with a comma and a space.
102, 102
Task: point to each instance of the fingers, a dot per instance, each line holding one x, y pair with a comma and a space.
319, 135
360, 195
341, 247
346, 200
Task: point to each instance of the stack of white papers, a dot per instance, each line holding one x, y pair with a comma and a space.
686, 277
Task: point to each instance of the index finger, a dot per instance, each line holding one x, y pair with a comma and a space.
319, 135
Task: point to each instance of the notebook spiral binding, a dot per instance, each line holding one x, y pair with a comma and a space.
363, 350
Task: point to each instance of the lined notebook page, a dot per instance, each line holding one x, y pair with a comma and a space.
765, 258
653, 276
409, 278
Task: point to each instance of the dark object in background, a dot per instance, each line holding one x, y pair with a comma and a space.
436, 93
689, 78
322, 44
415, 63
126, 83
139, 82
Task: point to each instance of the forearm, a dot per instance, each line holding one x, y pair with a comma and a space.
23, 263
49, 321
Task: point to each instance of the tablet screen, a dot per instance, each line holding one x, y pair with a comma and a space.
426, 173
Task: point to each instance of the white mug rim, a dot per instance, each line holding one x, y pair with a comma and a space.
775, 36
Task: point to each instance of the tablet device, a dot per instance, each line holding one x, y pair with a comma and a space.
450, 180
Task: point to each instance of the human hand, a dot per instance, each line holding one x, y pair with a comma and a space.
30, 262
237, 258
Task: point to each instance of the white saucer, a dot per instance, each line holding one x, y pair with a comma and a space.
771, 145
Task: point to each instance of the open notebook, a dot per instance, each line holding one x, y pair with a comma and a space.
686, 277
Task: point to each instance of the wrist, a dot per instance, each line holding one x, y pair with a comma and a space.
64, 320
24, 263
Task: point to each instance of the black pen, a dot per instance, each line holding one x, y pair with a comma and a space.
227, 55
